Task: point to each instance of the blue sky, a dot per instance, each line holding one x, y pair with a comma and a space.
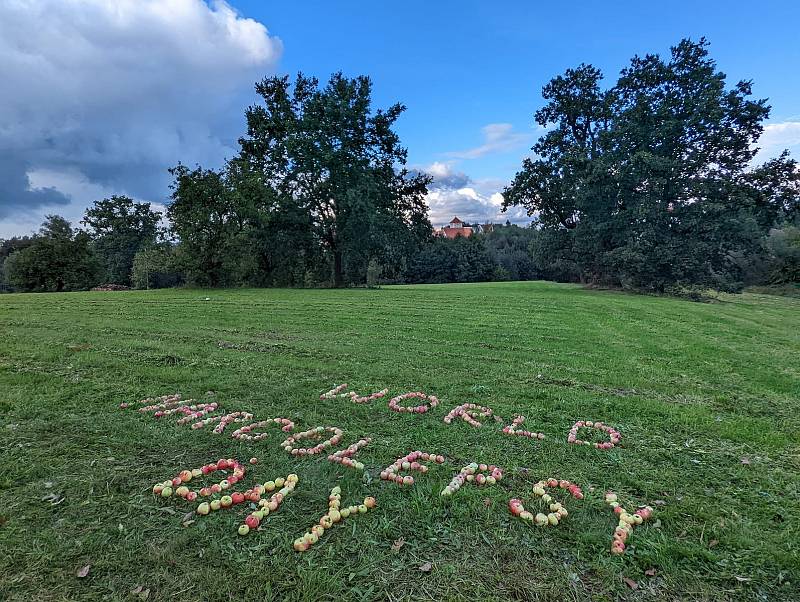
108, 95
459, 66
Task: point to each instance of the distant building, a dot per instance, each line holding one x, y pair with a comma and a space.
454, 229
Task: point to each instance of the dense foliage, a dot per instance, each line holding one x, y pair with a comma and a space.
120, 228
317, 191
649, 185
58, 258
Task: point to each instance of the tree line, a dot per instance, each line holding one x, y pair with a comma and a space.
647, 185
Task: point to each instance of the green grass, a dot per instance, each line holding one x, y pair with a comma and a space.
694, 389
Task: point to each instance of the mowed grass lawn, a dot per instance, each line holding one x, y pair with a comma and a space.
706, 397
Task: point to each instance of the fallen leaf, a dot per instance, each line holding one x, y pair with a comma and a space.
426, 568
487, 502
399, 543
188, 523
712, 543
631, 583
745, 460
650, 572
187, 518
660, 503
83, 571
743, 579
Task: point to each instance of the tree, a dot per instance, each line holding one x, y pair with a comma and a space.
120, 228
651, 179
509, 248
204, 217
7, 248
324, 157
58, 259
155, 267
460, 259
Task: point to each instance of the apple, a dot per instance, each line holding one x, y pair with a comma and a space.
215, 505
552, 519
541, 519
182, 491
525, 515
269, 485
335, 515
370, 502
318, 530
253, 460
279, 482
300, 545
166, 492
237, 497
326, 522
226, 501
157, 489
252, 521
186, 476
362, 509
203, 509
345, 512
191, 496
244, 529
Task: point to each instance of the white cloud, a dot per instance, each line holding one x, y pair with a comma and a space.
103, 96
776, 138
454, 193
498, 138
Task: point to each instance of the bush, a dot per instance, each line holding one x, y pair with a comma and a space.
783, 248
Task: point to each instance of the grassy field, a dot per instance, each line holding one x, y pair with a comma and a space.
706, 397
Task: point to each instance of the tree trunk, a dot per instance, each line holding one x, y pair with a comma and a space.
337, 269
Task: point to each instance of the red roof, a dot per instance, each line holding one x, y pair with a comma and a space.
454, 232
455, 220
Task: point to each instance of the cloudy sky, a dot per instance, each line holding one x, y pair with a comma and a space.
99, 97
